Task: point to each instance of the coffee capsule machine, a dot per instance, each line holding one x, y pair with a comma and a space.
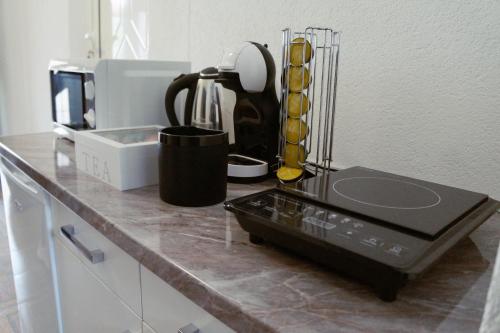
253, 123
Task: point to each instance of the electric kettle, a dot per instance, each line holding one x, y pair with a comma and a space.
247, 69
203, 109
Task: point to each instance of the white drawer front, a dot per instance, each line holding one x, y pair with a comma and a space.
166, 310
119, 271
88, 305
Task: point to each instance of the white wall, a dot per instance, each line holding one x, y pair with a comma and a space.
419, 81
31, 33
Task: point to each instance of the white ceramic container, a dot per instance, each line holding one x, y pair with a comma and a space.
125, 158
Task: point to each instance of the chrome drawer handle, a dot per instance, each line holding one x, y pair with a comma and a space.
94, 256
189, 329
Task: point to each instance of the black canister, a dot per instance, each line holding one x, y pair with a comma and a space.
192, 166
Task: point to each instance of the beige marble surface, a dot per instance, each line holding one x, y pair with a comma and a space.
491, 316
205, 254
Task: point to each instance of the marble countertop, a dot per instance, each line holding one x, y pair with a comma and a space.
204, 253
491, 316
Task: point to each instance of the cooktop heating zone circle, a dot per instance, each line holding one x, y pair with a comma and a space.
386, 193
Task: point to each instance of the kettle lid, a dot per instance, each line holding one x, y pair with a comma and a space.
209, 72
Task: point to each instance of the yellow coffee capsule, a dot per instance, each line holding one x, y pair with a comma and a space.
294, 105
296, 130
297, 52
295, 83
288, 174
293, 155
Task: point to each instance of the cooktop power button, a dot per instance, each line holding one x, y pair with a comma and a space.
372, 241
345, 220
396, 250
257, 203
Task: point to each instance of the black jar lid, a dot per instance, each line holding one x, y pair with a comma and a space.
192, 136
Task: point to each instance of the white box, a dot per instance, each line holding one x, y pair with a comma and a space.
125, 158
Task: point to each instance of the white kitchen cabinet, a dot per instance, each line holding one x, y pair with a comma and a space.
88, 305
70, 278
166, 310
117, 270
31, 249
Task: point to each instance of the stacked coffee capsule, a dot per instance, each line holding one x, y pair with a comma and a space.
294, 127
309, 63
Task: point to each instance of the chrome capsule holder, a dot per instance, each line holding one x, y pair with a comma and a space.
320, 92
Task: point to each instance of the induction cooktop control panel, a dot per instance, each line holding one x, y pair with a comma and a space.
333, 226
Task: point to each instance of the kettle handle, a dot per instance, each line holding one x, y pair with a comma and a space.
181, 82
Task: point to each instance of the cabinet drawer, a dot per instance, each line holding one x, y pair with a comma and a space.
118, 270
87, 304
166, 310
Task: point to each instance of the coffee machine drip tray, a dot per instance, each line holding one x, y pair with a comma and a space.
377, 227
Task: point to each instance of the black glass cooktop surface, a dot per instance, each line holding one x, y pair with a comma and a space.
332, 226
377, 227
417, 205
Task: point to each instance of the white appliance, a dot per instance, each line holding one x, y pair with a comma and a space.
110, 93
31, 250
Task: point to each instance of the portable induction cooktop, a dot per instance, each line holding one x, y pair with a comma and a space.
377, 227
